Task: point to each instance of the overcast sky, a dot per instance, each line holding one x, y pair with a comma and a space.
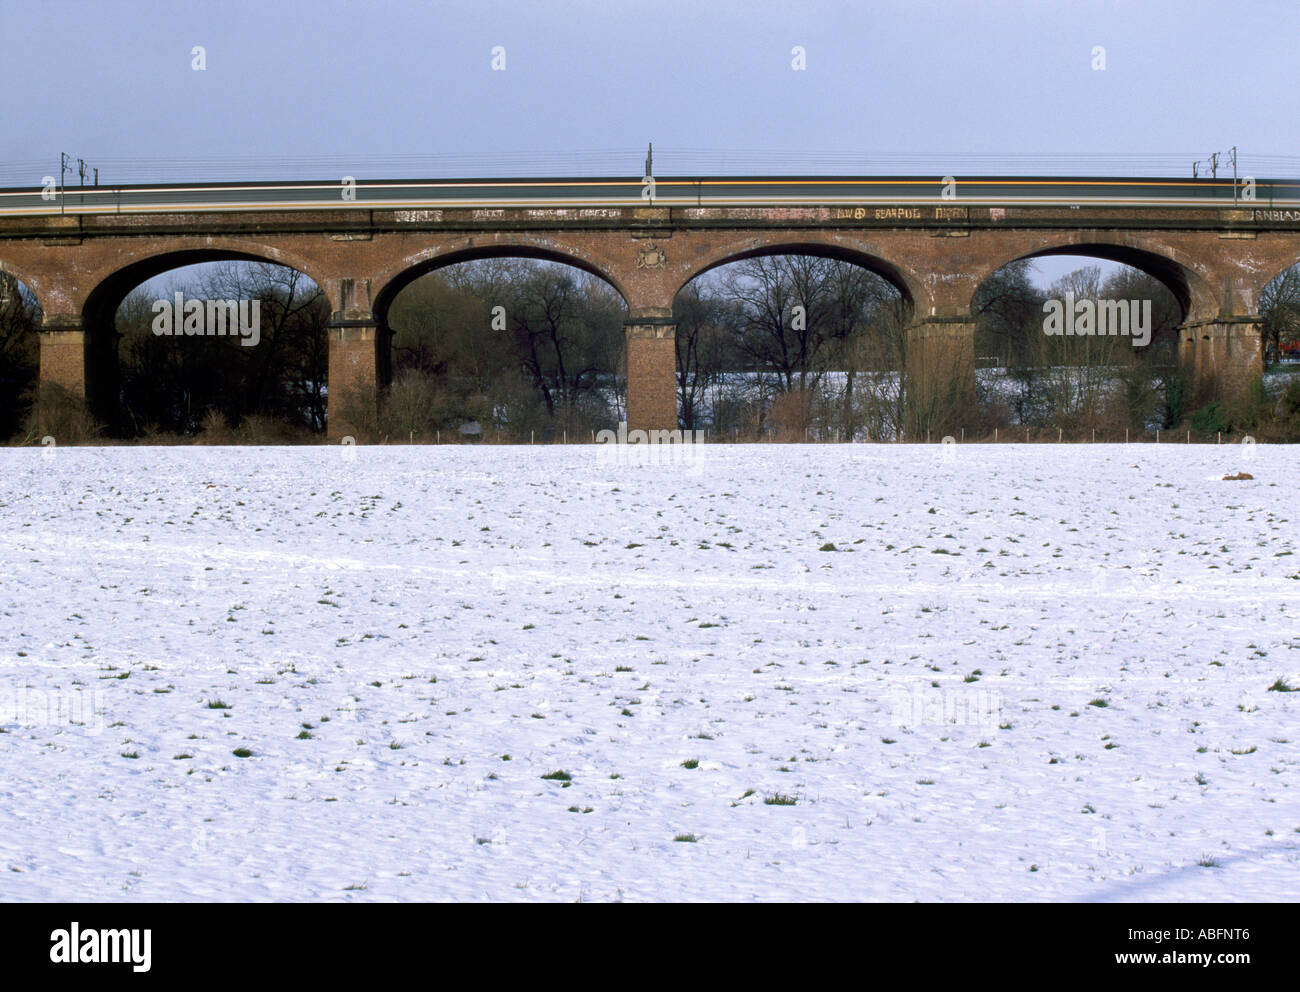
400, 88
379, 87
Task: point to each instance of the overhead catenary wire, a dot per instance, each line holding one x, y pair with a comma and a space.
671, 160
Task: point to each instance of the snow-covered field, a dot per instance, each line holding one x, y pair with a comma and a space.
1024, 672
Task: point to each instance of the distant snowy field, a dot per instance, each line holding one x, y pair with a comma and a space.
910, 716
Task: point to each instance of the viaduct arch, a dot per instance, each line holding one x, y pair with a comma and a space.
1216, 260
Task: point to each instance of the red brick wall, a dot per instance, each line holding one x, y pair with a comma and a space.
651, 382
352, 379
63, 360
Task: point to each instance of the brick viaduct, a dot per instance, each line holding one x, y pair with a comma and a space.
1215, 260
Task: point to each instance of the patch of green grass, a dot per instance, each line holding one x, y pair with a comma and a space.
1281, 686
558, 776
1099, 703
779, 799
242, 752
217, 704
686, 839
691, 763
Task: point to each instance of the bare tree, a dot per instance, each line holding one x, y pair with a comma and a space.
1279, 306
1008, 312
20, 317
171, 384
766, 290
707, 334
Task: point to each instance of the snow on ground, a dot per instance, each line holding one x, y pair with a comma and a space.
406, 640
